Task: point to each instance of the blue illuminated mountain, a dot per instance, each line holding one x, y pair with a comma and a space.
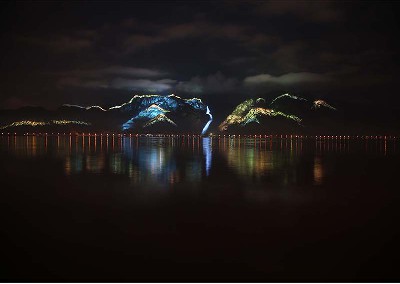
163, 113
142, 114
283, 114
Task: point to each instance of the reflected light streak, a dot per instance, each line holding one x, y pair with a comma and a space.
207, 153
318, 171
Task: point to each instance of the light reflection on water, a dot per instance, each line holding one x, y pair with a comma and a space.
159, 162
318, 172
207, 146
130, 206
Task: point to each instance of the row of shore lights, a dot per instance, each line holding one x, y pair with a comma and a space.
219, 136
101, 134
316, 137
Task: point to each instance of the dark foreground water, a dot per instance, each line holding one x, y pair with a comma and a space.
196, 209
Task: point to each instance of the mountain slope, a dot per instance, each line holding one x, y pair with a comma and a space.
185, 115
283, 114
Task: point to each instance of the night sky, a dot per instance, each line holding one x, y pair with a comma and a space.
103, 53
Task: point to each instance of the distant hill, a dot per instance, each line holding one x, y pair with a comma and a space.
142, 114
283, 114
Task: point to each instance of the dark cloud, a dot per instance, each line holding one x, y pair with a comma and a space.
115, 77
215, 84
289, 57
15, 102
246, 35
60, 43
286, 79
77, 82
82, 52
143, 84
240, 60
314, 11
116, 70
139, 79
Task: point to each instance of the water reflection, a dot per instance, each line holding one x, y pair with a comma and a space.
153, 161
207, 145
160, 162
249, 160
318, 171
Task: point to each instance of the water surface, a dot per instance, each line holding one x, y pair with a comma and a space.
198, 209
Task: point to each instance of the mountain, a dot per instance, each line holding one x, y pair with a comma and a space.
283, 114
142, 114
187, 115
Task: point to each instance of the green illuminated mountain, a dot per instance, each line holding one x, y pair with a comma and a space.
283, 114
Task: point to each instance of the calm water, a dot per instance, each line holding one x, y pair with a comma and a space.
198, 209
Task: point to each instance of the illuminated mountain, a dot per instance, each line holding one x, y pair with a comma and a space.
142, 114
187, 115
172, 114
283, 114
288, 103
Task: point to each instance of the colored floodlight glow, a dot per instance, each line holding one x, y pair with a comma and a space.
319, 103
155, 105
43, 123
288, 96
245, 113
64, 122
159, 118
86, 108
208, 112
158, 107
25, 123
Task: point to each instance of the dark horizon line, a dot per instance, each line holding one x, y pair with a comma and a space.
165, 135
